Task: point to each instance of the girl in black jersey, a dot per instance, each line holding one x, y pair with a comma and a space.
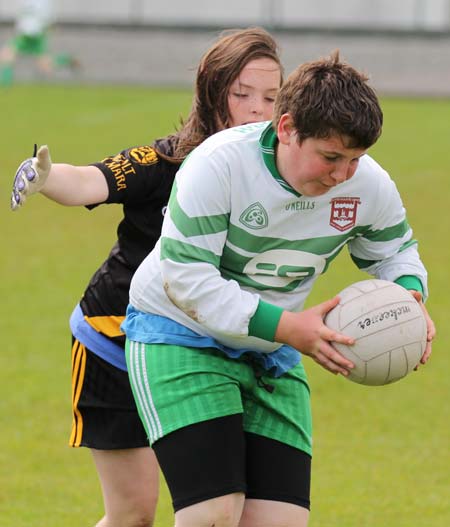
236, 83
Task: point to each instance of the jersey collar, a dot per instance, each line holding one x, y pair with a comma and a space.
268, 142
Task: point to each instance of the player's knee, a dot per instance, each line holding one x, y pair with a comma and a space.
140, 516
130, 514
142, 521
136, 519
224, 511
227, 510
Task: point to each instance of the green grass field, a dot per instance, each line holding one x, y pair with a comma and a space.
381, 455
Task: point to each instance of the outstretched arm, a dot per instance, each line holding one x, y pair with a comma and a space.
63, 183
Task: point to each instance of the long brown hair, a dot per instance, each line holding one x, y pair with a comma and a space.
218, 69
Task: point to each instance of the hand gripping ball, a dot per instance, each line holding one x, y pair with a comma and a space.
388, 326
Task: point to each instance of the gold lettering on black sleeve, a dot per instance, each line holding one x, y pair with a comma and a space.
120, 166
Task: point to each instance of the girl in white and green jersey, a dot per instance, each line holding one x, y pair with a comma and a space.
215, 327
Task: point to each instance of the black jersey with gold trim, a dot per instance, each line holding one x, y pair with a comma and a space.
141, 181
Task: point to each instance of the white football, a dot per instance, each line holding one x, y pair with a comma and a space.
388, 326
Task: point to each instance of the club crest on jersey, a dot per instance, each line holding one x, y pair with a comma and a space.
254, 217
144, 155
343, 213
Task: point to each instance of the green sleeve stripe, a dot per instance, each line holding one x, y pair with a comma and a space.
264, 322
364, 264
197, 225
361, 263
389, 233
410, 282
186, 253
407, 245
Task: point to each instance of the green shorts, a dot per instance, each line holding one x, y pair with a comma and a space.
30, 45
176, 386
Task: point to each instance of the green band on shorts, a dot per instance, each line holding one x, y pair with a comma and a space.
176, 386
30, 45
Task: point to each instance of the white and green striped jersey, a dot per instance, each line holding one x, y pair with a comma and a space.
34, 17
237, 240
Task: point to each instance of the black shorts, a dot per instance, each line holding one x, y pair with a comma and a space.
216, 457
105, 416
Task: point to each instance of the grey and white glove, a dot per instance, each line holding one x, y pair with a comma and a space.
31, 176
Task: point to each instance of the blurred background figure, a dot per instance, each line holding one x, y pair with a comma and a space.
33, 21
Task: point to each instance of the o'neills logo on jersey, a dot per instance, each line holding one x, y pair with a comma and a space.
254, 217
343, 213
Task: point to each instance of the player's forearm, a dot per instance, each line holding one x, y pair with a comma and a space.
75, 185
287, 328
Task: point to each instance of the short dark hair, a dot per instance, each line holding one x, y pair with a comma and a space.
328, 97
